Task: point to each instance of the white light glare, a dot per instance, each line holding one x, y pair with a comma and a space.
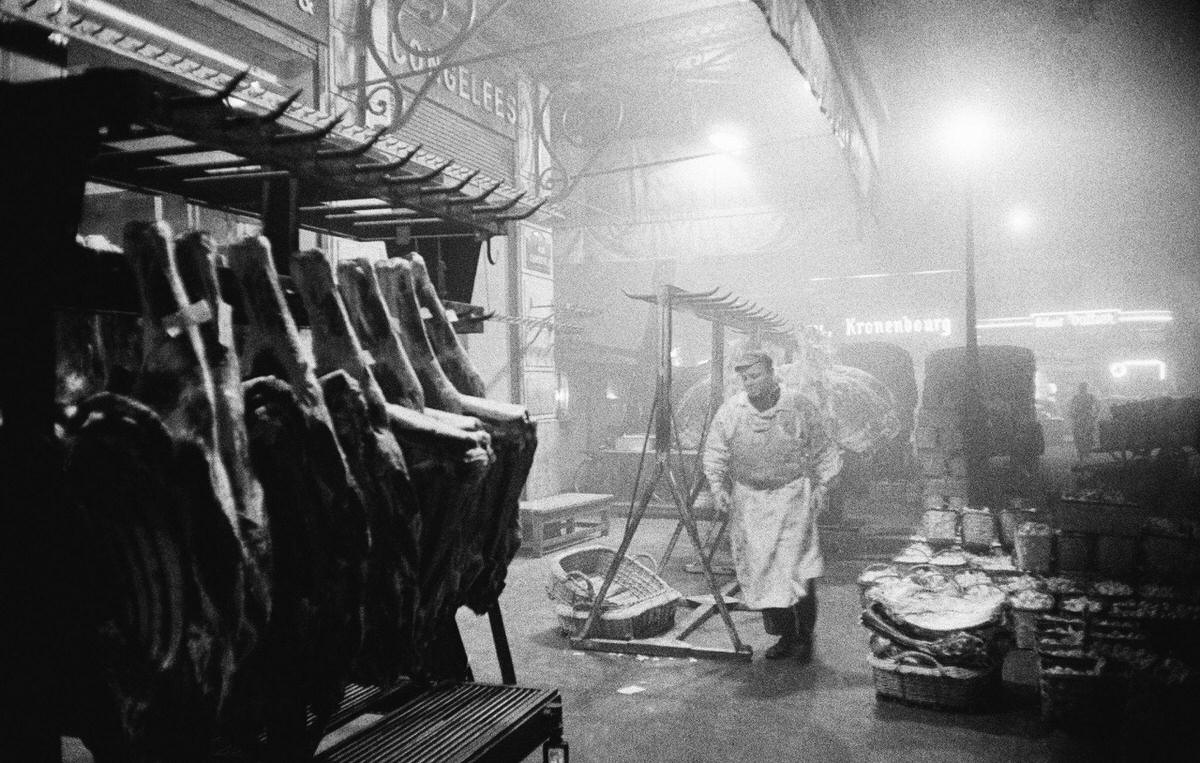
727, 140
1021, 219
1120, 370
967, 136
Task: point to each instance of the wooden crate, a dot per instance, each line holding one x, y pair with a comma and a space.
562, 520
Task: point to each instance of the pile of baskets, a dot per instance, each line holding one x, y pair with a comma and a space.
638, 604
919, 663
920, 679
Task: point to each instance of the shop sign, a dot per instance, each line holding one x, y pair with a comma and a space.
309, 17
483, 94
1075, 318
901, 325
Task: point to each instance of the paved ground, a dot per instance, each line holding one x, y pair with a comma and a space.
702, 710
687, 710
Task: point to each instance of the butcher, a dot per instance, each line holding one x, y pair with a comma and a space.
770, 453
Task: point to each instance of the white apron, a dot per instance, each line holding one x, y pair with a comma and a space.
776, 550
766, 460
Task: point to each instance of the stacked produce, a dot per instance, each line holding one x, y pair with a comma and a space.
936, 612
1097, 634
933, 635
263, 535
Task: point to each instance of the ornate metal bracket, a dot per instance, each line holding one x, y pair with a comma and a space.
576, 118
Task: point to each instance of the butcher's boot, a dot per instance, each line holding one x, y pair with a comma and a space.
781, 622
805, 615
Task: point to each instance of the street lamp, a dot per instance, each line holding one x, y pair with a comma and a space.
967, 139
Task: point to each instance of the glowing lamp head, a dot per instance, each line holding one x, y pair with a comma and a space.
727, 140
967, 137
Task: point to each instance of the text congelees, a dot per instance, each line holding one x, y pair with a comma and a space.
492, 98
901, 325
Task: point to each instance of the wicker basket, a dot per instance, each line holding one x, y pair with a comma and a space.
1011, 521
1034, 551
639, 604
920, 679
940, 526
978, 528
1079, 699
1024, 622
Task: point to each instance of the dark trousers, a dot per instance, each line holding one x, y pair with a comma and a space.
797, 620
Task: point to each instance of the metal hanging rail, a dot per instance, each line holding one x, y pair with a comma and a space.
348, 182
740, 315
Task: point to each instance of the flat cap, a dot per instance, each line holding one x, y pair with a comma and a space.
750, 357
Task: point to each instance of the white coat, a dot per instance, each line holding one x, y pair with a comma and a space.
769, 461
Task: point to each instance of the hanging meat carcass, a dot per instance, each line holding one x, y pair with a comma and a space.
514, 435
142, 588
446, 463
319, 529
372, 455
186, 597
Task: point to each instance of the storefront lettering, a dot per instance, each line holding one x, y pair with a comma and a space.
1075, 318
901, 325
464, 82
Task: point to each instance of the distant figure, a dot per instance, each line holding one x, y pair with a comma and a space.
1083, 420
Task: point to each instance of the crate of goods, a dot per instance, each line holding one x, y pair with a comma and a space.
920, 679
1110, 592
1010, 521
1025, 607
639, 604
1079, 691
940, 526
1034, 547
978, 527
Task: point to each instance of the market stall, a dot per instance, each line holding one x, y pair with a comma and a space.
1104, 596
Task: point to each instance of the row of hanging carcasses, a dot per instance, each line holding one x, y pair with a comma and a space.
260, 523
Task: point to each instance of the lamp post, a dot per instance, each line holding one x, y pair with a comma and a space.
973, 414
967, 137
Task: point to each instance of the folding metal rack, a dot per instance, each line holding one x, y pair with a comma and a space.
292, 169
722, 311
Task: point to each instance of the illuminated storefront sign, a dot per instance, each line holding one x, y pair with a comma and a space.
901, 325
1078, 319
1121, 369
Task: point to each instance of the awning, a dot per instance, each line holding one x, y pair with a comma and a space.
810, 33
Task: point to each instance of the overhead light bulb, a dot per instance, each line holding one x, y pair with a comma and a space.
967, 136
726, 140
1021, 219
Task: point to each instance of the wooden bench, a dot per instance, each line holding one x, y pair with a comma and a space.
562, 520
